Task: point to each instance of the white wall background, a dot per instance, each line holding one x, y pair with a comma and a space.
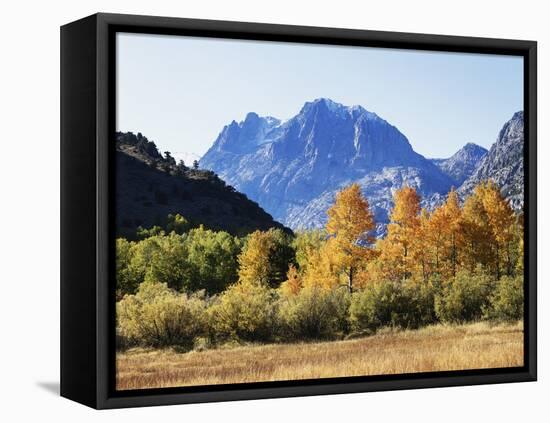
29, 234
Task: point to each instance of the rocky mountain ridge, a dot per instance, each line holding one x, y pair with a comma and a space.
294, 169
504, 163
461, 165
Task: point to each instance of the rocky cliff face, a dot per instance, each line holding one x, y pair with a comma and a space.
293, 169
503, 164
461, 165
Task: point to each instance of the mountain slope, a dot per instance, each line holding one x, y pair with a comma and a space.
149, 187
293, 169
503, 163
463, 163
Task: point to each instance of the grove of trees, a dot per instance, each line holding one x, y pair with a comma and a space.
193, 286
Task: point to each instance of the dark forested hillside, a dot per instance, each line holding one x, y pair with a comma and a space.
149, 186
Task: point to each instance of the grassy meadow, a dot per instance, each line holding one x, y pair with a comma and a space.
432, 348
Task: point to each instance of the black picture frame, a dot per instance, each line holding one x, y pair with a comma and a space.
87, 232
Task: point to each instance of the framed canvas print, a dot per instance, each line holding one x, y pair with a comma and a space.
255, 211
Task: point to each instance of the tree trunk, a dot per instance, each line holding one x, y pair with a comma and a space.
508, 260
497, 261
453, 255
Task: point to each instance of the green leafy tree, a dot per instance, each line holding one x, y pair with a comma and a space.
125, 282
177, 223
133, 260
212, 258
143, 233
307, 244
168, 263
195, 260
266, 258
169, 159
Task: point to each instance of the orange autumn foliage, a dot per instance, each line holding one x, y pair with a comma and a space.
478, 232
349, 247
398, 256
293, 283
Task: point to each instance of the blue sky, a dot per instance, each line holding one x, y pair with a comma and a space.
181, 91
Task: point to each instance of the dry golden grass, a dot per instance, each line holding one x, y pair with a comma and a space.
434, 348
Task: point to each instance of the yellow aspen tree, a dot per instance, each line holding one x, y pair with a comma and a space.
254, 266
434, 238
265, 258
293, 283
321, 270
402, 232
349, 223
307, 245
388, 265
501, 220
520, 244
452, 230
477, 235
422, 250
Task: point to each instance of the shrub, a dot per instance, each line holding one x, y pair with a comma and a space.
314, 313
244, 312
396, 304
422, 302
464, 297
506, 303
158, 316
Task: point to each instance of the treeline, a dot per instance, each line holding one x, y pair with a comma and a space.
149, 149
192, 286
191, 259
484, 234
